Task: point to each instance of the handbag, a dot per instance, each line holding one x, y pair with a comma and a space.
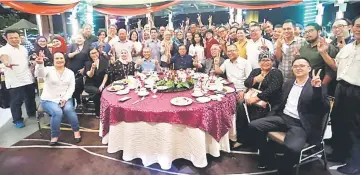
253, 93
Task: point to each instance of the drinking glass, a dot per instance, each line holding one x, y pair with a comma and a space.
154, 90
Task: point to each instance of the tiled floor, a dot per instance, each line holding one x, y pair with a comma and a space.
10, 135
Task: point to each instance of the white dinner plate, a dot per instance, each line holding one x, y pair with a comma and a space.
203, 99
181, 101
197, 94
143, 93
115, 88
122, 92
228, 89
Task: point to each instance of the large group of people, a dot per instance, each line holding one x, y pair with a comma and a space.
282, 74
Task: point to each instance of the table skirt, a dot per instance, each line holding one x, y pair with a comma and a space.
163, 143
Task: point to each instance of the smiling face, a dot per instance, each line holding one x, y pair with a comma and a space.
167, 35
56, 43
122, 34
42, 42
94, 54
146, 35
182, 50
59, 60
13, 39
266, 64
101, 36
154, 34
241, 35
288, 30
87, 31
197, 38
277, 33
340, 28
301, 68
147, 53
189, 36
80, 39
232, 52
124, 55
180, 35
134, 36
255, 32
112, 30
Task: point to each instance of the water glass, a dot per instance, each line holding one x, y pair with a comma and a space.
154, 90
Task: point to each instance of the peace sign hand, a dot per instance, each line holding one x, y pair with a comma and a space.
316, 80
210, 19
322, 45
264, 46
280, 41
199, 17
217, 59
40, 58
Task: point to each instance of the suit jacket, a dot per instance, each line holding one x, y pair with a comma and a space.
99, 73
312, 107
208, 64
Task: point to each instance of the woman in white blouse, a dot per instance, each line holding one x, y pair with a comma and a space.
56, 97
137, 46
197, 47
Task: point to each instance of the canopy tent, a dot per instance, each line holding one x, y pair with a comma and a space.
136, 7
22, 24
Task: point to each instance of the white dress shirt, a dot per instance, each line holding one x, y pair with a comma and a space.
237, 72
348, 64
253, 49
112, 41
19, 75
56, 87
197, 49
292, 101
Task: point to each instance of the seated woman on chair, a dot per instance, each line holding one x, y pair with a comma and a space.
96, 77
121, 68
56, 98
269, 83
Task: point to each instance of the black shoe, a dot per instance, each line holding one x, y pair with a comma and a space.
77, 140
336, 158
348, 170
53, 143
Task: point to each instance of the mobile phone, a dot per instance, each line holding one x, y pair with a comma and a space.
124, 99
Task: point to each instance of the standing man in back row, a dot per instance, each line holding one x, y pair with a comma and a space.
18, 77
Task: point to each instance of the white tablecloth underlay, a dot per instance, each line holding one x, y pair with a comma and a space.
163, 142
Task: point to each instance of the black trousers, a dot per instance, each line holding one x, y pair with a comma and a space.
295, 139
95, 94
345, 119
254, 112
79, 88
18, 96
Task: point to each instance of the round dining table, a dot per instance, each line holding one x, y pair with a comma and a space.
157, 131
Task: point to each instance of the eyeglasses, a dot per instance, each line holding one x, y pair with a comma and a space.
232, 50
299, 66
92, 53
338, 26
309, 31
265, 60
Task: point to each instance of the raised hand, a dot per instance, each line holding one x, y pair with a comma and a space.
140, 62
210, 19
322, 45
93, 66
264, 46
187, 21
199, 18
296, 51
280, 41
40, 59
139, 22
217, 59
156, 62
342, 43
316, 80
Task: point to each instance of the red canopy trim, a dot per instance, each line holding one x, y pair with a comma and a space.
134, 11
40, 9
253, 7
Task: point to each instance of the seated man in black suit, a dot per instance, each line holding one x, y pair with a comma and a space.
299, 114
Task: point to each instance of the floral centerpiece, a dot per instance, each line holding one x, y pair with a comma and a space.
176, 81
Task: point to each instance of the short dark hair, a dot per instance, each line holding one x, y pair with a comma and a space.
254, 25
11, 31
290, 21
209, 31
354, 20
233, 28
301, 58
153, 28
182, 45
234, 22
100, 32
348, 21
241, 28
269, 22
315, 25
278, 26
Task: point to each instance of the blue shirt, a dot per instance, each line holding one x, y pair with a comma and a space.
148, 65
106, 46
181, 62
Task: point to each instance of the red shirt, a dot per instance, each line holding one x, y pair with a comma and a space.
209, 44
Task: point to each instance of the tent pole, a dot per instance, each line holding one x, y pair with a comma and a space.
26, 36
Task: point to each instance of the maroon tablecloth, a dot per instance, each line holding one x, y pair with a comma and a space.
214, 117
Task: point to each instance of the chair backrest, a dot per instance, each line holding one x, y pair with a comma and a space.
326, 117
40, 86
